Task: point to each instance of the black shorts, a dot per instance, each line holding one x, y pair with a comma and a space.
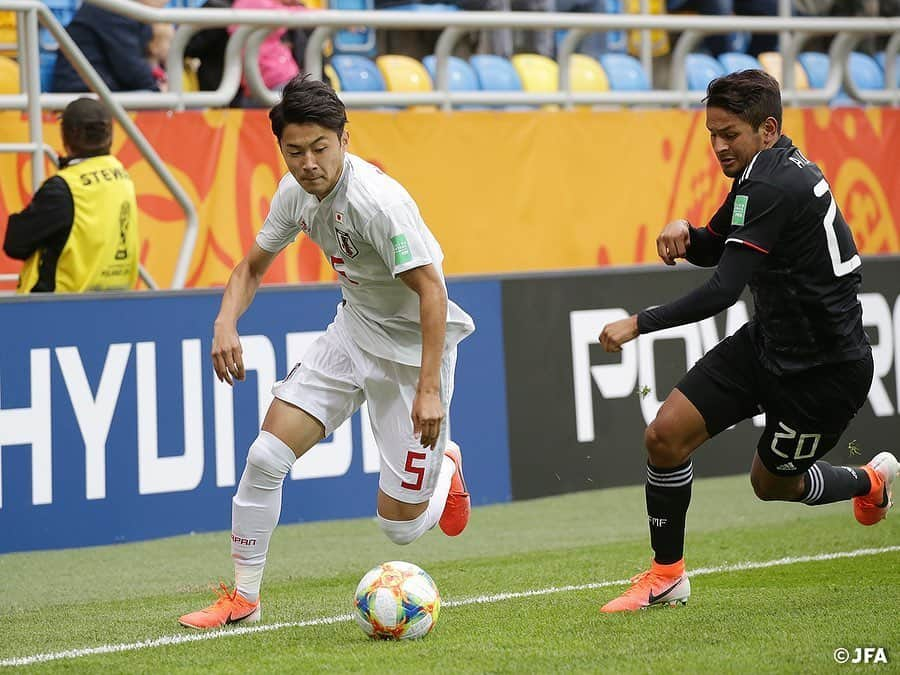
806, 412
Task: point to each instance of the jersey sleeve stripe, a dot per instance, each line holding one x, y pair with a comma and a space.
749, 244
713, 231
749, 168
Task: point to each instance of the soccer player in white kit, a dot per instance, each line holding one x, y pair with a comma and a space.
392, 343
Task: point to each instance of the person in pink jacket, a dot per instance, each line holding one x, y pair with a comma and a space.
276, 59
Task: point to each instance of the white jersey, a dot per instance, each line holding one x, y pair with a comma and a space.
370, 229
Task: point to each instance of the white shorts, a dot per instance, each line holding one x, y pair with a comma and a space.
335, 377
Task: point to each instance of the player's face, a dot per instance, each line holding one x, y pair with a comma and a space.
735, 141
314, 155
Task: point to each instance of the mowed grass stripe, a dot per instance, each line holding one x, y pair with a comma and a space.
483, 599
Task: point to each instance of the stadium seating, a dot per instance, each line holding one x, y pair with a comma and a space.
403, 73
8, 34
539, 74
771, 63
815, 64
880, 58
624, 72
495, 73
9, 76
733, 62
357, 73
332, 76
700, 70
462, 76
355, 40
586, 74
48, 63
865, 71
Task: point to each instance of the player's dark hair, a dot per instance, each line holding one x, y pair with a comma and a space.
87, 128
306, 101
752, 95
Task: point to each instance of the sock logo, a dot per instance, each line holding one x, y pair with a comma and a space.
241, 541
657, 522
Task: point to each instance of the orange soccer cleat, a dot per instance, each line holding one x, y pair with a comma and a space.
874, 506
231, 607
660, 585
458, 507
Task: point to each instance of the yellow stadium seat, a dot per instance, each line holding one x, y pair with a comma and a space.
8, 32
333, 77
586, 74
406, 74
659, 39
189, 80
539, 74
771, 63
403, 73
9, 76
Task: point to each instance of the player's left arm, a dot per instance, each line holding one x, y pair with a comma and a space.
428, 410
718, 293
760, 212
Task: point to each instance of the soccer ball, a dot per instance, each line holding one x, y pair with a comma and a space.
396, 601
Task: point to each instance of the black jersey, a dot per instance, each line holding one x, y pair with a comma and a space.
805, 290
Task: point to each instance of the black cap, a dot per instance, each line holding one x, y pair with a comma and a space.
85, 111
87, 127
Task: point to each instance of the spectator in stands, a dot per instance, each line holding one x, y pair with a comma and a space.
506, 42
867, 8
276, 57
717, 44
79, 233
593, 44
209, 47
158, 52
115, 45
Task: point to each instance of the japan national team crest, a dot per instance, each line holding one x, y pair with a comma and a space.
346, 244
304, 228
338, 217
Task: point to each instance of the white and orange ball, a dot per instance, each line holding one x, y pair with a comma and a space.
396, 601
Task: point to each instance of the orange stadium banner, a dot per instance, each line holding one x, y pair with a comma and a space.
502, 191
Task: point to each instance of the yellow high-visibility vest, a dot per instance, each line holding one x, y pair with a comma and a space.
101, 253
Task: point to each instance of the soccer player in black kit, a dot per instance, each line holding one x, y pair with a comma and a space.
804, 358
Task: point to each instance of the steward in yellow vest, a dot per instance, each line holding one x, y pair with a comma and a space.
79, 233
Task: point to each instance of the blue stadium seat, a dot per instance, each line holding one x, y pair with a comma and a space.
624, 72
48, 62
495, 73
880, 58
865, 71
734, 62
816, 66
358, 39
462, 75
700, 70
357, 73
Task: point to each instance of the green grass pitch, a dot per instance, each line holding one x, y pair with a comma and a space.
786, 618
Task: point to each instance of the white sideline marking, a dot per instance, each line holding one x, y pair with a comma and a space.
182, 638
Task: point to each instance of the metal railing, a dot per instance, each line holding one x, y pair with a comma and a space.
29, 13
253, 25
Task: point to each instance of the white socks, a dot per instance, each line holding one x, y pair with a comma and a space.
255, 510
407, 531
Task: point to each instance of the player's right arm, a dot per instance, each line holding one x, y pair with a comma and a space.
701, 246
227, 354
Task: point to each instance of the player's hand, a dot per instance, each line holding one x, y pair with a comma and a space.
617, 333
674, 241
227, 353
427, 415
